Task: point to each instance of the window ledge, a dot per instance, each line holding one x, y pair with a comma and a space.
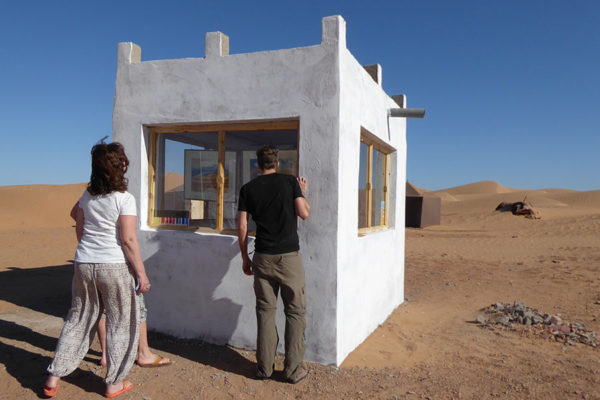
375, 229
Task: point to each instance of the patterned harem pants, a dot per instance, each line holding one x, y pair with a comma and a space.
97, 286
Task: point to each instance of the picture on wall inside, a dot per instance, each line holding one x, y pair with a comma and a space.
287, 164
200, 175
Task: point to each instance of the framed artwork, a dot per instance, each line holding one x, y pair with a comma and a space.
287, 164
200, 174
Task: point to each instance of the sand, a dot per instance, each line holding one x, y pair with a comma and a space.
429, 348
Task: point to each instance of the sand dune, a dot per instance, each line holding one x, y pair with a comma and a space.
173, 181
38, 205
479, 188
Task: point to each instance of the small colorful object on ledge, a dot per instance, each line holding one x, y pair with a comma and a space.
172, 221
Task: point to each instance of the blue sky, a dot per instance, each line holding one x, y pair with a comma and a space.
511, 88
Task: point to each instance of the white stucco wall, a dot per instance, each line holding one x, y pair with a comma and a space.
198, 288
370, 268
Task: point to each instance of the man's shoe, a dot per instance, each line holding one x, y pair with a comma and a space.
261, 377
300, 376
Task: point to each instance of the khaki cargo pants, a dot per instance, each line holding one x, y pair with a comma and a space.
272, 273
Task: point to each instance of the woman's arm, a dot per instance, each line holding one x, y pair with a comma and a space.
73, 212
131, 247
77, 215
79, 220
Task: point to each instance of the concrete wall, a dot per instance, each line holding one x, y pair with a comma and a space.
198, 287
370, 268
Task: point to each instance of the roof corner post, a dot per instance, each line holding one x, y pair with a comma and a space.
129, 53
217, 44
334, 31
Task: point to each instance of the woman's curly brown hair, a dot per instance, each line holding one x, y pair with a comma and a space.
109, 164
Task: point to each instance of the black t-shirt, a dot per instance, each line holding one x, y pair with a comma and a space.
270, 200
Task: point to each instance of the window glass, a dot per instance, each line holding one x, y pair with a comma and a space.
377, 193
187, 168
186, 199
240, 157
372, 183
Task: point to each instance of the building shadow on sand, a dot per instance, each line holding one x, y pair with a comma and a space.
28, 367
47, 290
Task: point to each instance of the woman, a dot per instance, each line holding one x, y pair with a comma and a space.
145, 357
107, 266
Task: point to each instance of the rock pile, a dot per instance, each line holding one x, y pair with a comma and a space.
545, 325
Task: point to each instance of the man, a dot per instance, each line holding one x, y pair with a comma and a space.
274, 200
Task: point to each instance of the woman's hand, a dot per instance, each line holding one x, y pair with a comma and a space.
144, 283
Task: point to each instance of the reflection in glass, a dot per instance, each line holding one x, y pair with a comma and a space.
362, 186
186, 170
377, 193
242, 146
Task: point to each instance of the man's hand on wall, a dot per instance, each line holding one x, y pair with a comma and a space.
303, 185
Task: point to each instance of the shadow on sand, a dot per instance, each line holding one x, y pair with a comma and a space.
48, 290
28, 369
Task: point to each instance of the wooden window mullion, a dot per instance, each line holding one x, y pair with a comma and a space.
386, 184
369, 201
221, 181
152, 178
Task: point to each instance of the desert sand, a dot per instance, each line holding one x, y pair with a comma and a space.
429, 348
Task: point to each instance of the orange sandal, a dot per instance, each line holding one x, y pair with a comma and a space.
50, 392
125, 389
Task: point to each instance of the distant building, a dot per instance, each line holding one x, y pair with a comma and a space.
423, 208
191, 127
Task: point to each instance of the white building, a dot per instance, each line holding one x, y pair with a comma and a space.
190, 128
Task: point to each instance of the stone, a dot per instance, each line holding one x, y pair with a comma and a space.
480, 319
520, 306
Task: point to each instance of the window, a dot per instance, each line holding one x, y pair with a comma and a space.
196, 171
373, 183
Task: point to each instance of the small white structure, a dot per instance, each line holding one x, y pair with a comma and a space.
181, 119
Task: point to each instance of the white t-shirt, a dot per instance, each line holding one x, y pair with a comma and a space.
101, 240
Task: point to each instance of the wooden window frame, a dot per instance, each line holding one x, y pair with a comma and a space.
374, 143
221, 129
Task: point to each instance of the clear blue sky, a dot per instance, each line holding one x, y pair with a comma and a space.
511, 88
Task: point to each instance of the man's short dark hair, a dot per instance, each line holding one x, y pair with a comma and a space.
267, 157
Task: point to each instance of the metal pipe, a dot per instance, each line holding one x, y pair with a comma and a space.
407, 112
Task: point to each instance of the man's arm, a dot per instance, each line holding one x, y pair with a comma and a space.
242, 220
300, 203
